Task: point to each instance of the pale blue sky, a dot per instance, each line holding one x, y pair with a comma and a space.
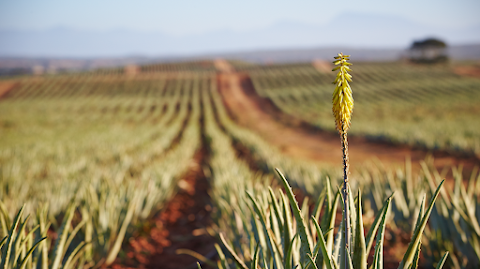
183, 17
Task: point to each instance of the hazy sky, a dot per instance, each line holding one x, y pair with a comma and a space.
181, 17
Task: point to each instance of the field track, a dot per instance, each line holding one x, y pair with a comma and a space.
5, 87
303, 141
469, 71
180, 225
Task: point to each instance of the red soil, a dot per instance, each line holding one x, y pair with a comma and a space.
181, 225
323, 66
6, 86
469, 71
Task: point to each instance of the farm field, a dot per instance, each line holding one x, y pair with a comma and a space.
145, 167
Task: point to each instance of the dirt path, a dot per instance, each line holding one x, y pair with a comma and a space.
468, 71
303, 141
322, 66
181, 225
5, 87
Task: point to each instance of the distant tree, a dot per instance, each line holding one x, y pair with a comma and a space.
430, 50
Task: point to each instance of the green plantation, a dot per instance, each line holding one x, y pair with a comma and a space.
89, 160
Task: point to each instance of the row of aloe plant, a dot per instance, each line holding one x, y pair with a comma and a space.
103, 212
51, 170
285, 237
30, 248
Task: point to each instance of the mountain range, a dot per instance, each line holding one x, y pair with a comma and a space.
357, 31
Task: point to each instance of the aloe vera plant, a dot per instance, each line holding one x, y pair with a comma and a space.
13, 245
308, 244
455, 220
22, 249
342, 111
282, 235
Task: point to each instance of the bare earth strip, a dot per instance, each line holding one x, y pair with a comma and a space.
5, 87
301, 142
322, 66
468, 71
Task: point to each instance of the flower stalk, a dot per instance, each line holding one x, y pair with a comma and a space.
342, 110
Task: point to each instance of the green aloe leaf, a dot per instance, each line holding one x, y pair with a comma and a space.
3, 241
373, 229
232, 253
27, 241
421, 212
11, 236
323, 246
319, 204
312, 262
257, 230
196, 255
19, 241
305, 246
270, 243
412, 247
359, 247
254, 264
112, 254
74, 232
330, 221
42, 252
29, 253
378, 256
338, 242
60, 245
222, 263
353, 216
350, 263
276, 207
88, 232
278, 250
416, 257
442, 261
4, 220
328, 199
287, 226
288, 256
74, 256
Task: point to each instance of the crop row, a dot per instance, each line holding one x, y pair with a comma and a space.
101, 177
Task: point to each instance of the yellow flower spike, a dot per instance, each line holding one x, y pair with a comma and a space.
342, 111
342, 96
